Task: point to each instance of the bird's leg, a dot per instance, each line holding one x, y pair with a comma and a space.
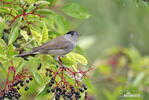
62, 65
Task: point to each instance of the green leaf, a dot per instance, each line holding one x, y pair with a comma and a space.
20, 67
13, 34
79, 58
43, 91
38, 78
44, 11
2, 25
37, 36
138, 79
42, 3
4, 10
24, 34
10, 51
75, 10
2, 58
2, 47
68, 59
62, 24
44, 33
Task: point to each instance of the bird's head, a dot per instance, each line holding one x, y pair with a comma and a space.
73, 35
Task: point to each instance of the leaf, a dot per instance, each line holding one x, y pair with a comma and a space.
44, 60
89, 85
37, 77
44, 33
62, 24
2, 58
75, 10
44, 11
10, 51
79, 58
43, 91
68, 59
37, 36
2, 47
20, 67
42, 3
24, 34
4, 10
2, 25
13, 34
138, 79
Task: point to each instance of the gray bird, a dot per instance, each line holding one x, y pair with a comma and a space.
57, 47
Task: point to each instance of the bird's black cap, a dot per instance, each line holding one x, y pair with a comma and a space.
73, 32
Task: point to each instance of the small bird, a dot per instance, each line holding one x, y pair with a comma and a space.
57, 47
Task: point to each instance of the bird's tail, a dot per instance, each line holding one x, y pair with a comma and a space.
26, 54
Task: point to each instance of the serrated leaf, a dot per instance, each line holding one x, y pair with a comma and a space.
4, 10
37, 36
2, 25
38, 78
79, 58
43, 91
10, 51
62, 24
13, 34
24, 34
76, 10
44, 33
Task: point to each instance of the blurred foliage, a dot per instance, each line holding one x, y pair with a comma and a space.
30, 23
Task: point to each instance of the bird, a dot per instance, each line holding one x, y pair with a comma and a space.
57, 47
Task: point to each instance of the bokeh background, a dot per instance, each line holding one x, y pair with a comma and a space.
116, 39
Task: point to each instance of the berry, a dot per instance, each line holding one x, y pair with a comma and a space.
27, 81
21, 84
48, 90
39, 67
18, 88
30, 79
52, 90
50, 85
50, 75
26, 88
81, 90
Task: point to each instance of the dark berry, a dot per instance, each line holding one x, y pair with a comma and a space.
85, 87
27, 81
81, 90
52, 81
21, 84
52, 90
34, 4
63, 86
18, 88
47, 69
48, 90
30, 79
26, 88
39, 67
50, 75
50, 85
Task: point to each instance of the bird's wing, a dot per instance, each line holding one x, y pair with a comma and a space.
57, 43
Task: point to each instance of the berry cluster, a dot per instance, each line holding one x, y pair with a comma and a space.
11, 88
63, 88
